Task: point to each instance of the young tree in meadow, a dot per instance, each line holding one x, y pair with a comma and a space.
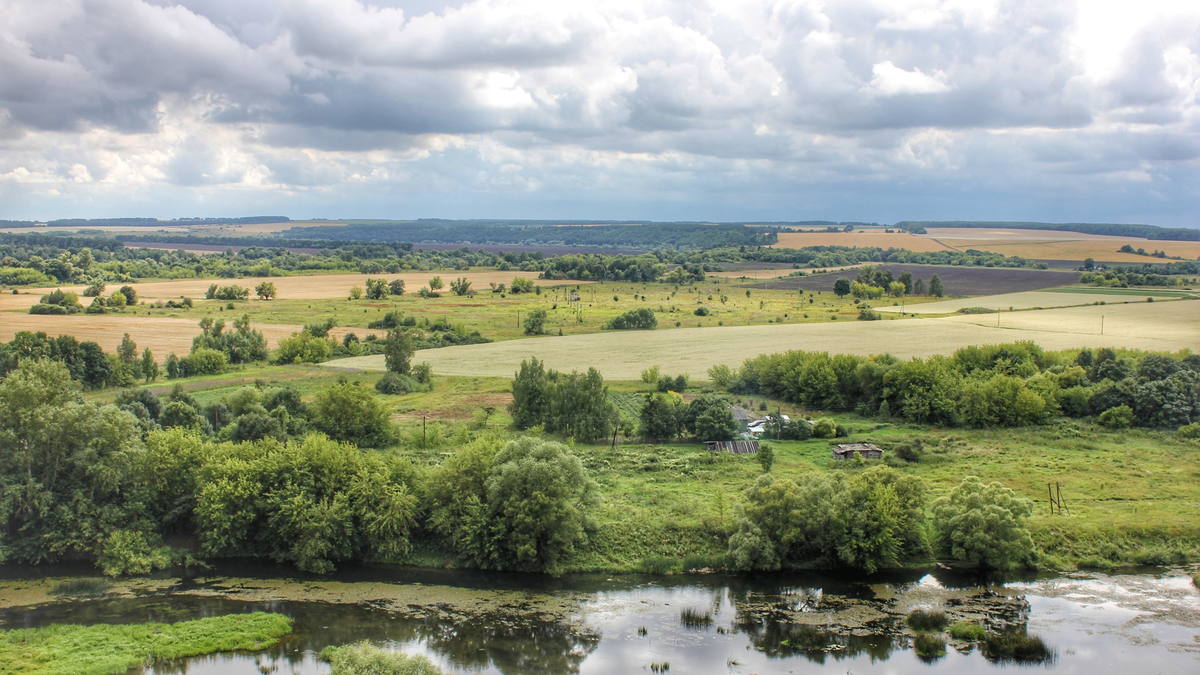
398, 351
436, 284
265, 290
919, 287
906, 278
985, 524
660, 417
130, 295
535, 322
841, 287
935, 287
149, 366
460, 286
530, 391
127, 350
378, 289
396, 287
349, 412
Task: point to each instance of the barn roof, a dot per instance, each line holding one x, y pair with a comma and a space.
740, 414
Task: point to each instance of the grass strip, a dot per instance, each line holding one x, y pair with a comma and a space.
103, 649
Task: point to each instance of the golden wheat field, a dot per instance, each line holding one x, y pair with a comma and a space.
320, 286
1166, 326
1053, 245
878, 238
161, 334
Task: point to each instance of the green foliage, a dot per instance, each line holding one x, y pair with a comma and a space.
865, 520
984, 524
347, 411
303, 347
841, 287
526, 507
716, 424
535, 322
1189, 431
81, 588
242, 345
233, 292
65, 479
266, 290
967, 632
661, 417
364, 658
935, 287
107, 649
1120, 417
521, 285
636, 319
378, 289
310, 503
460, 286
576, 405
766, 457
824, 427
398, 351
1016, 646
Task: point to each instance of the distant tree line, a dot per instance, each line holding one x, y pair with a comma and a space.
1112, 229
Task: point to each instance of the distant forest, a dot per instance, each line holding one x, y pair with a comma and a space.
1112, 229
637, 235
145, 222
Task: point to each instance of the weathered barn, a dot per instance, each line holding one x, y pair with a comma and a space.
732, 447
864, 450
741, 415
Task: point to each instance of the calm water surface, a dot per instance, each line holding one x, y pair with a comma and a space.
1095, 624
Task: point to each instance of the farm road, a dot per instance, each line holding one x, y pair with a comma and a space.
1167, 326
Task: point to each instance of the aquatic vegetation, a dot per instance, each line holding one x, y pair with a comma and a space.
103, 649
693, 562
658, 564
696, 618
969, 632
929, 646
80, 587
924, 621
660, 667
364, 658
1018, 647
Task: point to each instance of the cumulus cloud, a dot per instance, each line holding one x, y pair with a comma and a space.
620, 108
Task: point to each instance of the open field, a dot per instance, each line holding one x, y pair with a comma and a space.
1162, 326
1051, 245
957, 280
1033, 299
872, 237
161, 334
1019, 235
317, 286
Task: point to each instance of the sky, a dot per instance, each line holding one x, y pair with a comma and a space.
856, 110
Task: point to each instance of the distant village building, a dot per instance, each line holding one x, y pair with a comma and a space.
732, 447
742, 417
864, 450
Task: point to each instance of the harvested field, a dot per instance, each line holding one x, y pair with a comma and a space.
956, 280
1028, 300
162, 335
1168, 326
1104, 251
1017, 235
316, 287
872, 237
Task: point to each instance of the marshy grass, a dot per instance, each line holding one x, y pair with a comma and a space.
927, 621
929, 647
696, 618
660, 667
694, 562
967, 632
363, 658
1017, 647
807, 639
105, 649
658, 564
81, 587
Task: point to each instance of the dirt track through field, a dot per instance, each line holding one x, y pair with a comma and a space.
161, 334
1168, 326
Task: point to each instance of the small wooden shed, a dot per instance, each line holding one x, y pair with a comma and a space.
864, 450
741, 415
732, 447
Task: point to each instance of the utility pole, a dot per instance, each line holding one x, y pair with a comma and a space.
423, 437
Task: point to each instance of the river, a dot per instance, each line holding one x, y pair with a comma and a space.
1089, 623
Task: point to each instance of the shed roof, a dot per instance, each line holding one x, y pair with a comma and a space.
739, 413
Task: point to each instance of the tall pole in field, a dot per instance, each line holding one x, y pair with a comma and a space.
423, 441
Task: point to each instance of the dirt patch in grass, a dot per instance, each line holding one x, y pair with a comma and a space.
956, 280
